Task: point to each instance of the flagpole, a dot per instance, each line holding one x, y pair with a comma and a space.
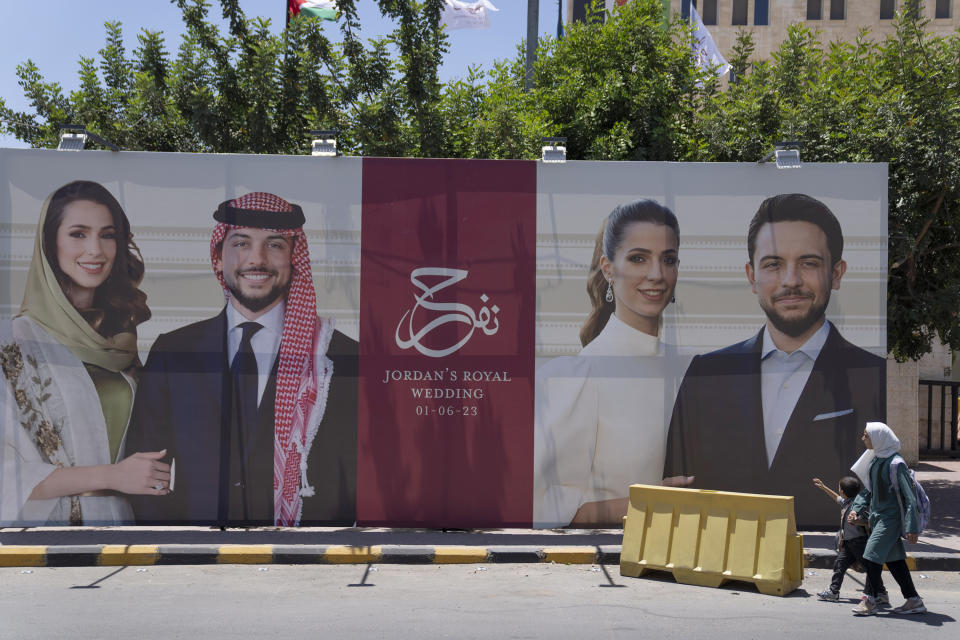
533, 28
559, 19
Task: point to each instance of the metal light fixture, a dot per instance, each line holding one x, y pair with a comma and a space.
72, 140
786, 155
73, 137
554, 150
324, 143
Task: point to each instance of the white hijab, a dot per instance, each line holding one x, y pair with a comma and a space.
885, 443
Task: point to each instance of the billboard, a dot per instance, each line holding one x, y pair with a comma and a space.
440, 343
709, 403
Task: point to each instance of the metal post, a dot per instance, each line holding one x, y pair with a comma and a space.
953, 417
559, 19
533, 28
943, 418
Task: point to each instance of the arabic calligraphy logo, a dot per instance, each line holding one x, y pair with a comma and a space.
451, 312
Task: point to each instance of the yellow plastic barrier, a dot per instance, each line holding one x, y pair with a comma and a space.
707, 538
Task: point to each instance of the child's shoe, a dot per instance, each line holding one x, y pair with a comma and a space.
867, 607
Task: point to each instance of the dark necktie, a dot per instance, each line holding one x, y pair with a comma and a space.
244, 370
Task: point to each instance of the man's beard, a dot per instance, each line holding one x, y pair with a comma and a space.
795, 327
261, 302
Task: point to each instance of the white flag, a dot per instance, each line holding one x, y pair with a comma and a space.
458, 14
708, 56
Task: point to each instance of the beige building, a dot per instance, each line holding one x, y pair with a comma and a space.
834, 19
768, 19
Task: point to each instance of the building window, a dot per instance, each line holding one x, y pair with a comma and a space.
838, 9
943, 9
761, 12
912, 8
887, 8
685, 8
814, 9
739, 12
709, 15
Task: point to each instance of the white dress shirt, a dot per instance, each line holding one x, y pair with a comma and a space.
265, 342
782, 379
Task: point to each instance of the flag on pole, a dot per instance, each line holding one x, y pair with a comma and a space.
708, 56
458, 14
323, 9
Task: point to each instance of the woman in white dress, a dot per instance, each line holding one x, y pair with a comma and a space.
68, 361
600, 416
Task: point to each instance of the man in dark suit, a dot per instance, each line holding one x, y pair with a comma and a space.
258, 405
769, 414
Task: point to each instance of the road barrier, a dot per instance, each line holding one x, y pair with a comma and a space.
707, 538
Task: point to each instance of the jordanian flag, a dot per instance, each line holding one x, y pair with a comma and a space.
323, 9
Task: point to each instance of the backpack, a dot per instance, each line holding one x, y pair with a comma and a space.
919, 497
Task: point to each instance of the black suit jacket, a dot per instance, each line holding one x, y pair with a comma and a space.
183, 392
716, 431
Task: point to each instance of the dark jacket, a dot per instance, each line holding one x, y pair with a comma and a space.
716, 431
182, 401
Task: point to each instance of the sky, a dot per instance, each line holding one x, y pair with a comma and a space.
55, 33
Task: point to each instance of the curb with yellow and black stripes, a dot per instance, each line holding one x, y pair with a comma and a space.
123, 555
198, 554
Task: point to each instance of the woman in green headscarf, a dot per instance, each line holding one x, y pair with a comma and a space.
68, 359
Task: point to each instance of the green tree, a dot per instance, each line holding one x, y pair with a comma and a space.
489, 115
623, 88
249, 90
618, 88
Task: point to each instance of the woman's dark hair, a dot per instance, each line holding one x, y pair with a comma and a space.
118, 305
849, 486
608, 241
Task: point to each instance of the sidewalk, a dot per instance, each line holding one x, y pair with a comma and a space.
938, 549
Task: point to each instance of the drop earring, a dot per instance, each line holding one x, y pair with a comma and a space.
609, 296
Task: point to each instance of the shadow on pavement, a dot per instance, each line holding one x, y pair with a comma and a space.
96, 583
363, 581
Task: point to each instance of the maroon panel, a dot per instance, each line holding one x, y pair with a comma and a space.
447, 343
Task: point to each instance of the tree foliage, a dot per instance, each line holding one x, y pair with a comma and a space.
250, 90
622, 88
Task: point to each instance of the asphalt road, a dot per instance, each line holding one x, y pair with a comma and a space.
436, 601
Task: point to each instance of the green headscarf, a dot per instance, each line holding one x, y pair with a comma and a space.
45, 303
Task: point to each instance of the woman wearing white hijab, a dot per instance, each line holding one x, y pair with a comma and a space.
886, 524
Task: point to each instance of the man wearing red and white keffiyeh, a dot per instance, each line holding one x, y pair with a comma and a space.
305, 387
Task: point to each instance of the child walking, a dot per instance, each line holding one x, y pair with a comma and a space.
852, 539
